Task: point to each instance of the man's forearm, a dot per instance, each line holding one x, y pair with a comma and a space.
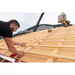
16, 43
13, 50
19, 43
11, 47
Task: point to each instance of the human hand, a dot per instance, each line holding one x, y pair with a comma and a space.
20, 54
23, 44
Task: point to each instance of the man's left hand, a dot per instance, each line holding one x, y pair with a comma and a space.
23, 44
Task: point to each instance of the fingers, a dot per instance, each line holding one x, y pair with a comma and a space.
20, 54
23, 44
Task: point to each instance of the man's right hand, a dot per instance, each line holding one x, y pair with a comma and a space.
19, 55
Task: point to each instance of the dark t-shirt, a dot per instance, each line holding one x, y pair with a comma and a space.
5, 29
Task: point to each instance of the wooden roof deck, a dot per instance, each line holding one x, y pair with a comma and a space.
44, 46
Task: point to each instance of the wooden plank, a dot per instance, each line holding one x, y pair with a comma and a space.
54, 46
52, 56
4, 48
71, 36
69, 41
56, 37
4, 52
55, 52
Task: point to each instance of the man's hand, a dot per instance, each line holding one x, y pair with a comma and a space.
19, 43
19, 55
22, 44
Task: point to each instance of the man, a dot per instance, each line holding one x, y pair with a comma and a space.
6, 31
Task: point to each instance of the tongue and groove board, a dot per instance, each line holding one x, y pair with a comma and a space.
43, 46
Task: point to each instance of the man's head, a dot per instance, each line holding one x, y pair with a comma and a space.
14, 25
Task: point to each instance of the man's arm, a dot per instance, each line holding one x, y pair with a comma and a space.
19, 43
11, 47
